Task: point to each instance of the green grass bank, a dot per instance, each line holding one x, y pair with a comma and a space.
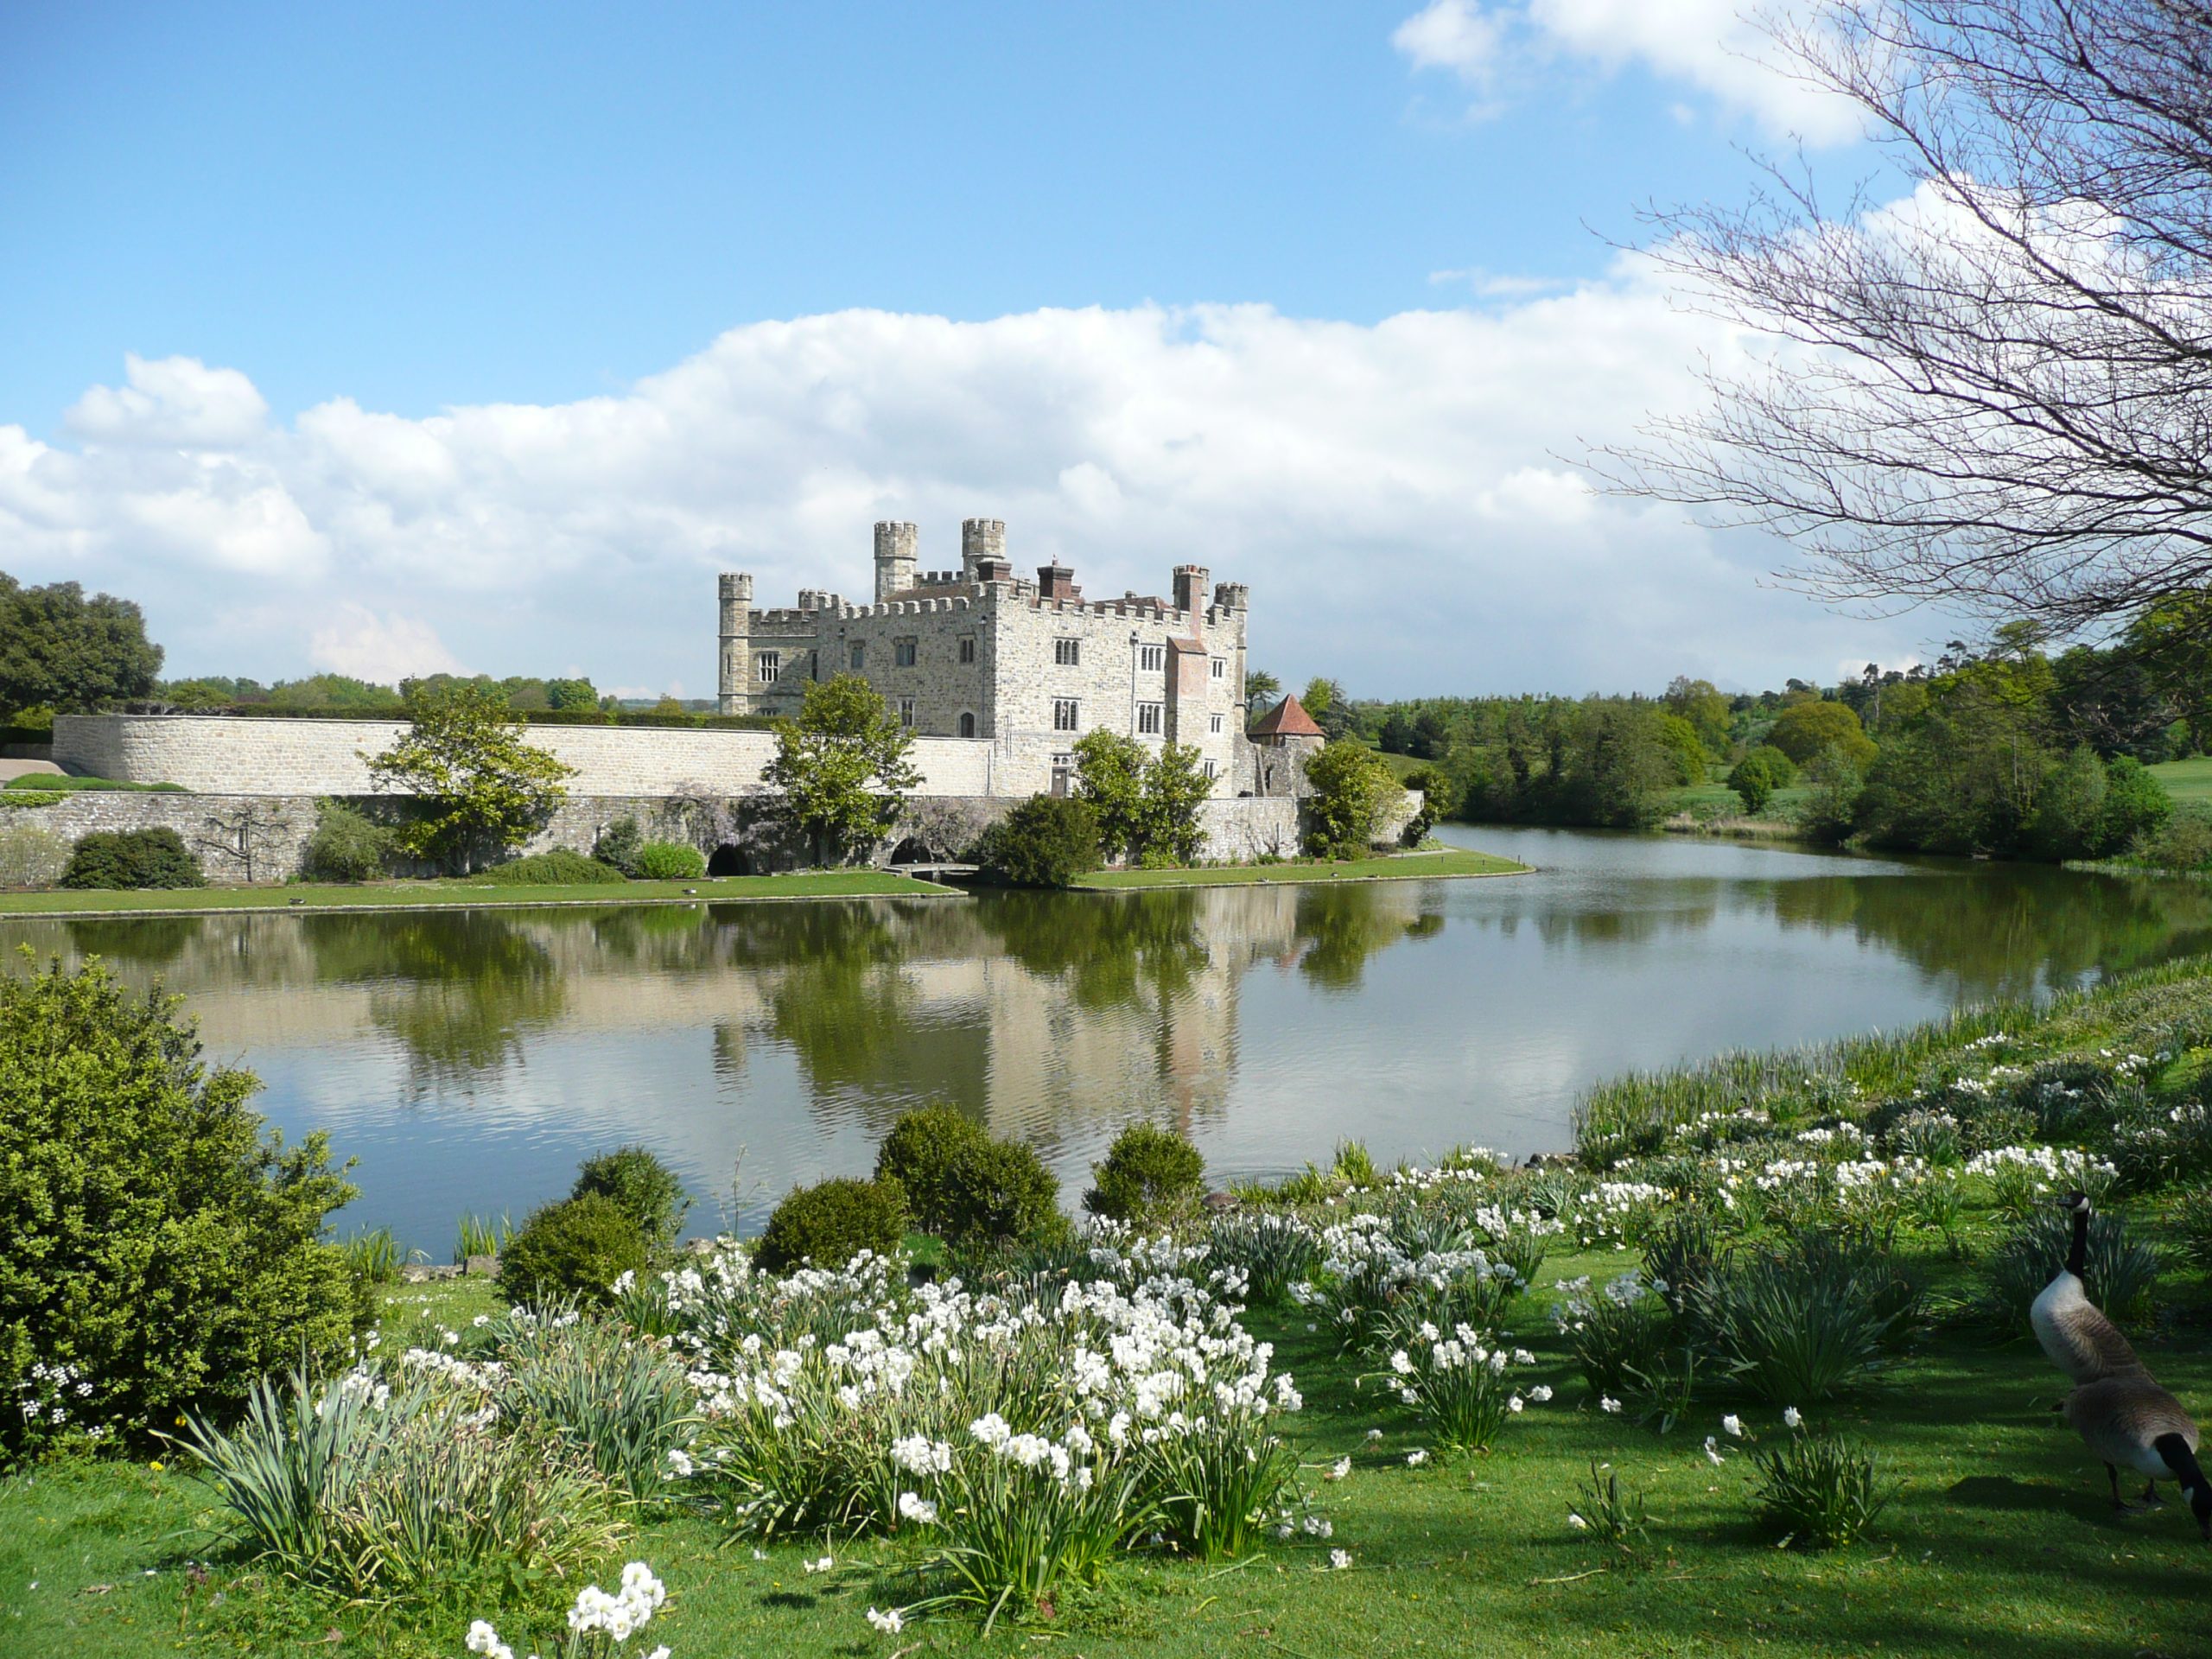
461, 893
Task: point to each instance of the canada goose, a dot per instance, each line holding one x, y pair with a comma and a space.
2131, 1420
2081, 1341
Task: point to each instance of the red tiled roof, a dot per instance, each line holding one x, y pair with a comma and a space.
1287, 719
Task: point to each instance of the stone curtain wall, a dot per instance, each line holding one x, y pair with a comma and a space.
212, 755
262, 838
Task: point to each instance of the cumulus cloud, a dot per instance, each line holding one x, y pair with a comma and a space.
387, 649
172, 401
1393, 493
1721, 47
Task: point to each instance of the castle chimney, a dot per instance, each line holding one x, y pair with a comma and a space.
1190, 588
735, 690
1057, 581
981, 539
896, 546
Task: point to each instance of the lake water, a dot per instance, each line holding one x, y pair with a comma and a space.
467, 1060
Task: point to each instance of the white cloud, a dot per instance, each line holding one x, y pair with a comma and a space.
176, 401
1394, 494
387, 649
1455, 35
1721, 47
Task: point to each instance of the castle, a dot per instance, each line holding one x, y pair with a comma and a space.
1028, 667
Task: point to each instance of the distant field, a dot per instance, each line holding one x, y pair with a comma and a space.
2186, 781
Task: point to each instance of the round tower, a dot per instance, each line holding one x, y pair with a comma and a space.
735, 691
979, 539
897, 546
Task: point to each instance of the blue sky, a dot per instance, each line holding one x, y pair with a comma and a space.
481, 335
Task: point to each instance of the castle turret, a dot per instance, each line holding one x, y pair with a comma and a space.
735, 690
897, 546
981, 539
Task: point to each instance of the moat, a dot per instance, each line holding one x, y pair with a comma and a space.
467, 1060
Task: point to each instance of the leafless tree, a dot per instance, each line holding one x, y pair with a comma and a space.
1997, 397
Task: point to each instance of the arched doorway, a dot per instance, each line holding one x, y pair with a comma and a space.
967, 725
910, 851
729, 859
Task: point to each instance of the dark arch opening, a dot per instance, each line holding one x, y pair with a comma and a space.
967, 725
729, 860
910, 851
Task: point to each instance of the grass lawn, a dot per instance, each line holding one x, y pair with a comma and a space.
461, 893
1999, 1538
2186, 781
1391, 867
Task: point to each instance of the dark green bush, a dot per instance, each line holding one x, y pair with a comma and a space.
558, 868
921, 1153
830, 1222
651, 1194
2193, 1223
1149, 1175
156, 1242
671, 860
1758, 774
617, 846
132, 859
347, 845
1805, 1320
572, 1250
1046, 841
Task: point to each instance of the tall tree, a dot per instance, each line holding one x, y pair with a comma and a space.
480, 789
842, 769
1995, 395
59, 650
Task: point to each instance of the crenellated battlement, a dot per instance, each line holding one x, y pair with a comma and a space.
981, 652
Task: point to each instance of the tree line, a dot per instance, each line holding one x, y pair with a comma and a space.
2007, 749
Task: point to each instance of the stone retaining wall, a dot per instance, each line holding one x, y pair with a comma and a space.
262, 838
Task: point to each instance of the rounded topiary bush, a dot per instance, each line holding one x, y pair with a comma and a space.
670, 860
1046, 841
649, 1192
133, 859
161, 1252
575, 1250
830, 1222
1149, 1174
962, 1186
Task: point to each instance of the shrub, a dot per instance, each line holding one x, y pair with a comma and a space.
159, 1246
347, 845
2193, 1223
1046, 841
1817, 1489
2184, 841
2120, 1273
558, 868
619, 845
649, 1192
671, 860
1149, 1175
575, 1250
964, 1186
1351, 786
30, 856
132, 859
1806, 1321
830, 1222
1758, 774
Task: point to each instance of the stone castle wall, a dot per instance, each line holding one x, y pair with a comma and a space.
212, 755
261, 838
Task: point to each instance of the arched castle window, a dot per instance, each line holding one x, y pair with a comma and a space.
967, 725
